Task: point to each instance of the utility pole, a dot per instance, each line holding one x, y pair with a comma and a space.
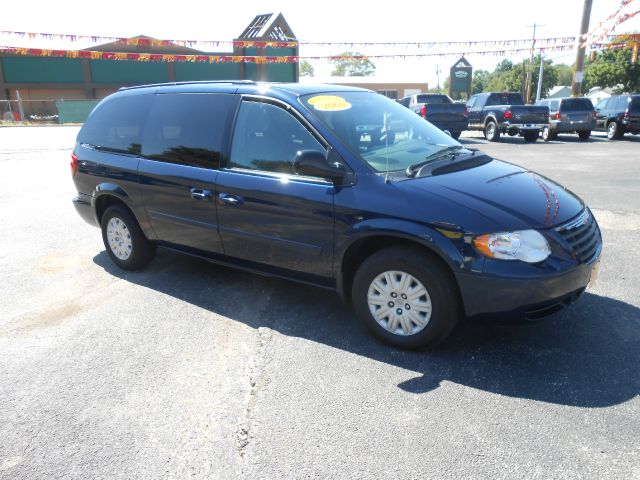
578, 74
530, 72
438, 74
540, 76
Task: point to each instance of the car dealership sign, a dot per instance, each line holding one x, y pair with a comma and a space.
460, 79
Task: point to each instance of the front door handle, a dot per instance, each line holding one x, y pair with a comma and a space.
200, 194
231, 200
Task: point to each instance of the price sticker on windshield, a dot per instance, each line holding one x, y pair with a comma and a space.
329, 103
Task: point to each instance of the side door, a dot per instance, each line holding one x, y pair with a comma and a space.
182, 148
601, 112
268, 214
475, 111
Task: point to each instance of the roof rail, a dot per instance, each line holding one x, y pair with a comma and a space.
193, 82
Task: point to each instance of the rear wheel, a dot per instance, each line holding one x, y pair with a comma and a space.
547, 134
613, 131
125, 243
531, 136
584, 136
406, 298
491, 132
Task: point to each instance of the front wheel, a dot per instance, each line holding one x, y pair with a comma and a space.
584, 136
406, 298
125, 243
531, 136
491, 132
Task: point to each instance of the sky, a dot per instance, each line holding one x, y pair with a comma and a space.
325, 21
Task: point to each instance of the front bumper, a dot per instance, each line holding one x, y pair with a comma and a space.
515, 298
84, 208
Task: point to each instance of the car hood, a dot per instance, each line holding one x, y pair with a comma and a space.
508, 195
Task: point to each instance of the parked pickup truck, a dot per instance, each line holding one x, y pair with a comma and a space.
496, 113
439, 110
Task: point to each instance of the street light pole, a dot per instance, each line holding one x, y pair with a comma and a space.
529, 83
578, 74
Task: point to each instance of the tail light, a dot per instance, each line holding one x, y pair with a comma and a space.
423, 111
74, 164
626, 115
508, 115
558, 115
466, 112
595, 114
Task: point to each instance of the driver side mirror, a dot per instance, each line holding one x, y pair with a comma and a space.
314, 163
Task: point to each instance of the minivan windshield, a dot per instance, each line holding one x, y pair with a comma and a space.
385, 134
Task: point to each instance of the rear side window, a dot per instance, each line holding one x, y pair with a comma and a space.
188, 128
553, 106
580, 104
117, 124
434, 99
505, 99
634, 106
267, 138
621, 103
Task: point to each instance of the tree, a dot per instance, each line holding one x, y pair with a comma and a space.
479, 81
511, 80
613, 69
306, 69
352, 67
564, 73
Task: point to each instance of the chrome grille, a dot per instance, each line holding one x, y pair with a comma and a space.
582, 235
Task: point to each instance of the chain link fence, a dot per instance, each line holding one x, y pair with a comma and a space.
45, 111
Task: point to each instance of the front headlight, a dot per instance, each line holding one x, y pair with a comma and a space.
526, 245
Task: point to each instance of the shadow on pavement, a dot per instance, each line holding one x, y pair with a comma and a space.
585, 356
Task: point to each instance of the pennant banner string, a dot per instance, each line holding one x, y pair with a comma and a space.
151, 57
146, 42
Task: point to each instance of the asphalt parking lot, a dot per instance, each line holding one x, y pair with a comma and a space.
188, 369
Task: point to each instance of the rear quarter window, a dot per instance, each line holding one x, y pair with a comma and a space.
117, 124
189, 128
634, 106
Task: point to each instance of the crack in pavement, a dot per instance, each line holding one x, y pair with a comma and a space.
258, 380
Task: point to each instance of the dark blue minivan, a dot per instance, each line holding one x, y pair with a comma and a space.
336, 187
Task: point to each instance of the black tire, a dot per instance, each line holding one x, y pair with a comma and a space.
141, 251
491, 131
455, 135
436, 279
584, 136
531, 136
547, 134
613, 131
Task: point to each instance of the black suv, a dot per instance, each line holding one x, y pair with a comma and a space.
568, 115
336, 187
618, 114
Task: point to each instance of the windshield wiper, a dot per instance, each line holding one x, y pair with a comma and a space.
452, 150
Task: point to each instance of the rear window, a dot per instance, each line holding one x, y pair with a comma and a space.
505, 99
581, 104
634, 106
435, 99
117, 124
188, 128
